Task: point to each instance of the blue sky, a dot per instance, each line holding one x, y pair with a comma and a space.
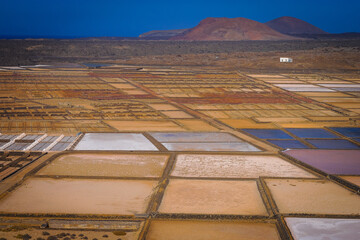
84, 18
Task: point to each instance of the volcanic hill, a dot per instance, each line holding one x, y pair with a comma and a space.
231, 29
293, 26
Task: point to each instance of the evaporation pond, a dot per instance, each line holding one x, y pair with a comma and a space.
349, 132
106, 165
345, 162
333, 144
212, 147
176, 137
288, 143
56, 233
268, 133
235, 166
79, 196
311, 133
313, 197
212, 197
353, 179
115, 141
214, 230
323, 228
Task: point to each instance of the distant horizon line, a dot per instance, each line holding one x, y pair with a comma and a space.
24, 37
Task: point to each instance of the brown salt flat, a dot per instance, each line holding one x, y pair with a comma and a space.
98, 234
118, 80
323, 94
122, 85
285, 119
138, 126
176, 114
79, 196
315, 124
346, 105
246, 123
201, 230
353, 179
235, 166
196, 125
107, 165
313, 197
329, 118
355, 110
163, 106
212, 197
215, 114
135, 92
265, 76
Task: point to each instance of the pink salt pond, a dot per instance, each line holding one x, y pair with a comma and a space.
79, 196
212, 197
214, 230
106, 165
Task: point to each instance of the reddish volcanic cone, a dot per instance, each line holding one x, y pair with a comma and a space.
291, 25
231, 29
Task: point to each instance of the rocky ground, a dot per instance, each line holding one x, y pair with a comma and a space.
250, 55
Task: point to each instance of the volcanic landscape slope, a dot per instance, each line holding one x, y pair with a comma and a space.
231, 29
291, 25
161, 34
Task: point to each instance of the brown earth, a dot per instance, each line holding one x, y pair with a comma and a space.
329, 59
231, 29
329, 55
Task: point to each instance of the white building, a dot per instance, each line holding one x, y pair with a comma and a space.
282, 59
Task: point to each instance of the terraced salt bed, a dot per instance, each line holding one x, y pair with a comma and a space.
323, 228
313, 197
212, 197
79, 196
106, 165
200, 230
235, 166
115, 141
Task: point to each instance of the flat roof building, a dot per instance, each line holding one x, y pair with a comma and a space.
282, 59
